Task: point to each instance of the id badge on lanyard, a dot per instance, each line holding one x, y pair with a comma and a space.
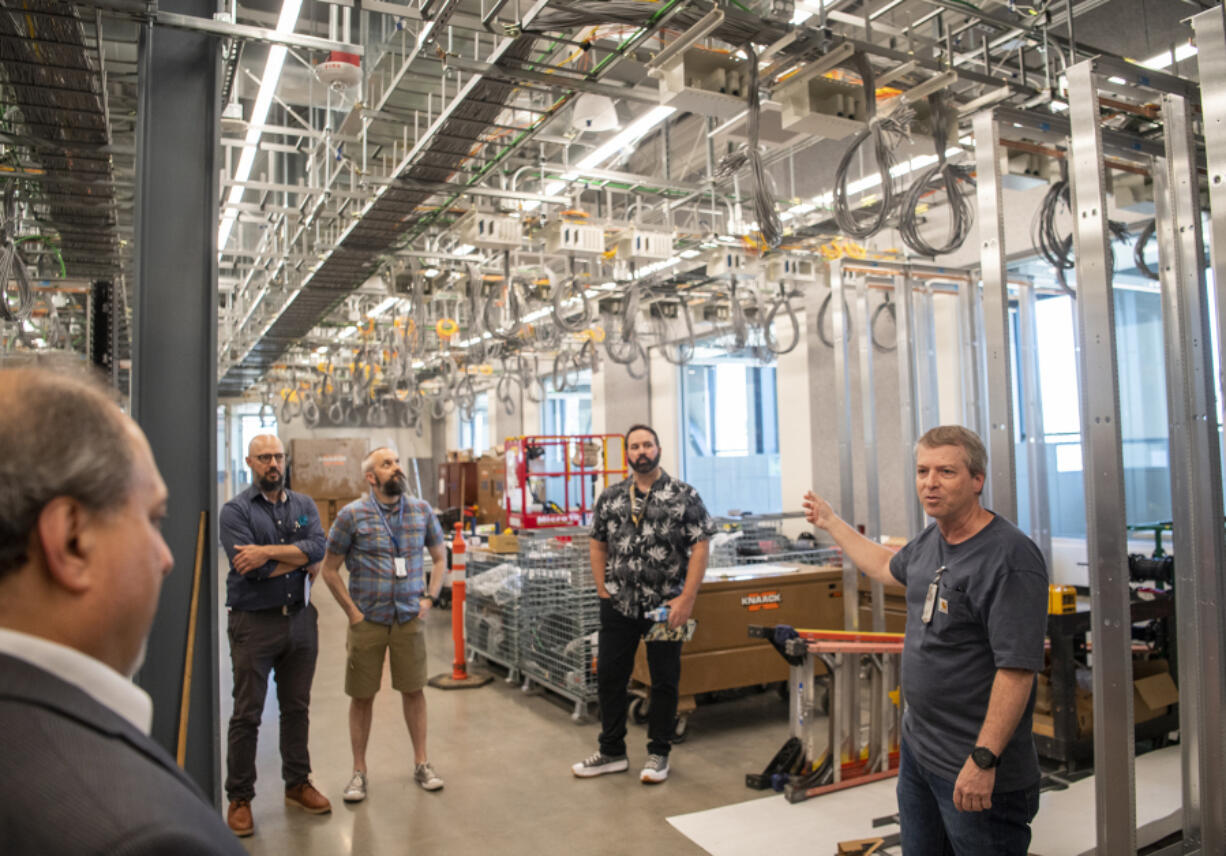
401, 563
930, 600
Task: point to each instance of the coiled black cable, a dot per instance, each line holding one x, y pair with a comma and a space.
784, 301
1138, 250
887, 306
822, 311
885, 133
942, 174
765, 210
1057, 249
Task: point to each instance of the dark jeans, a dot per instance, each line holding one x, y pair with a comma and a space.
261, 642
931, 826
618, 643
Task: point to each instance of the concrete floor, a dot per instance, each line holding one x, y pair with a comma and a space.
505, 756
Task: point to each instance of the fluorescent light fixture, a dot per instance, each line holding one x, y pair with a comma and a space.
347, 332
322, 351
383, 306
463, 249
1163, 60
690, 254
259, 114
624, 138
430, 272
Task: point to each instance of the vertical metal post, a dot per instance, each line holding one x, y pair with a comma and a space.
847, 502
905, 332
868, 432
1196, 482
174, 361
1101, 445
1032, 410
999, 440
969, 317
1210, 30
924, 327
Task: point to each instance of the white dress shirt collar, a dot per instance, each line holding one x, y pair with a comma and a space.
100, 681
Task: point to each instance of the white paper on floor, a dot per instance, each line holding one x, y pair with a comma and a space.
1064, 826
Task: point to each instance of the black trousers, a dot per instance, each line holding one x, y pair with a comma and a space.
617, 644
263, 642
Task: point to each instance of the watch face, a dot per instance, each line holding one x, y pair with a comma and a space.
984, 757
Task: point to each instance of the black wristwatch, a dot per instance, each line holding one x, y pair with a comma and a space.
427, 595
985, 758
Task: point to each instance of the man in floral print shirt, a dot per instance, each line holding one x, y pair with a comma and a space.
649, 548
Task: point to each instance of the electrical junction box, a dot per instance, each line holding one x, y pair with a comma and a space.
704, 82
727, 262
822, 107
791, 269
770, 127
563, 236
1133, 192
491, 231
1024, 171
640, 245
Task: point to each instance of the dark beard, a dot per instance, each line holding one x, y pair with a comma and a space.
270, 483
394, 486
643, 466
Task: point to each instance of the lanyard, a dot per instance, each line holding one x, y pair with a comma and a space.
642, 506
399, 522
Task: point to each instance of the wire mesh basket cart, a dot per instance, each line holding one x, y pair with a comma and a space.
560, 616
493, 611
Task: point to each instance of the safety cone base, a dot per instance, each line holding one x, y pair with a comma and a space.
449, 681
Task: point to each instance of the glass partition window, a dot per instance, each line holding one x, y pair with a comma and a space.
475, 432
730, 434
1143, 420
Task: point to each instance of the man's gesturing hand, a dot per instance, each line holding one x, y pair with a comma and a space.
817, 510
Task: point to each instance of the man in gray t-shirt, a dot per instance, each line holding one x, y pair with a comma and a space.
968, 780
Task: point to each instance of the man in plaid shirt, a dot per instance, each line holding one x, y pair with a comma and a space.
380, 539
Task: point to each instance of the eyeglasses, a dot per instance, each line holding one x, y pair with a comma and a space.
279, 457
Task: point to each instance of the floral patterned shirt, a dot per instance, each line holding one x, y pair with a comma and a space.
649, 541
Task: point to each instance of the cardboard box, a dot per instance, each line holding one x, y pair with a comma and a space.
324, 507
1153, 692
491, 482
507, 542
328, 469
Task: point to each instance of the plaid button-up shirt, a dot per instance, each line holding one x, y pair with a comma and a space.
362, 533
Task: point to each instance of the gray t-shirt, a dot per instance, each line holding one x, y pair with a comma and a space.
991, 613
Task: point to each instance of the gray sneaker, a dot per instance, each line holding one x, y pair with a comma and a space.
599, 764
425, 776
655, 770
355, 791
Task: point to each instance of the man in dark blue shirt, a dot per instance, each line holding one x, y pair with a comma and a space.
274, 542
968, 778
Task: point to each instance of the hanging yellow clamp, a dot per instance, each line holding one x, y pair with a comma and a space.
446, 328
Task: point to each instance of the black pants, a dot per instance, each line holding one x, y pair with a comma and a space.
261, 642
617, 645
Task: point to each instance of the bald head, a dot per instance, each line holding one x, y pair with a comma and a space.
266, 457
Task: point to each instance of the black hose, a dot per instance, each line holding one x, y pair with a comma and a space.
559, 317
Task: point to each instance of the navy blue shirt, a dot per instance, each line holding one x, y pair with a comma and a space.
249, 518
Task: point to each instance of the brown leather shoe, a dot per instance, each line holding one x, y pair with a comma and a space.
238, 818
307, 798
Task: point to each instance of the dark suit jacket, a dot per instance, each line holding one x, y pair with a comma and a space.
77, 778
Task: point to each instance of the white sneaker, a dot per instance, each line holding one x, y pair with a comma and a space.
599, 764
655, 770
355, 791
425, 776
